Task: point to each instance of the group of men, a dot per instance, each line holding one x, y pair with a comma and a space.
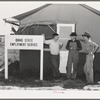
73, 46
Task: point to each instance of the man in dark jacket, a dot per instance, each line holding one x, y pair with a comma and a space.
73, 46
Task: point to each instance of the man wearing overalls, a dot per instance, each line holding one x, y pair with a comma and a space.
73, 46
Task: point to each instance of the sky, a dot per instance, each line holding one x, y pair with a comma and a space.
9, 9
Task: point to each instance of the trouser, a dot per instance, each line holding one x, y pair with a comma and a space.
73, 59
88, 68
55, 65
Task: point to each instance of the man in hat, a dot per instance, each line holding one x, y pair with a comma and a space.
55, 47
90, 49
73, 46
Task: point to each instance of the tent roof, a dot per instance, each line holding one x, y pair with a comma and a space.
57, 13
52, 14
24, 15
91, 9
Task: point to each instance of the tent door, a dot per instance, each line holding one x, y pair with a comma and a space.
64, 30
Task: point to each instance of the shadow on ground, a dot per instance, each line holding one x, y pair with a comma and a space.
60, 84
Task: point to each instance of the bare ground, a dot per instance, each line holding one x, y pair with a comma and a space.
14, 83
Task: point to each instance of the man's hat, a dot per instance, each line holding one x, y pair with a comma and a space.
73, 34
86, 34
55, 34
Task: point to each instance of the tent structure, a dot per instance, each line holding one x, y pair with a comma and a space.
45, 19
84, 17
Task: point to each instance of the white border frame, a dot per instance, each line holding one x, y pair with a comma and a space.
49, 94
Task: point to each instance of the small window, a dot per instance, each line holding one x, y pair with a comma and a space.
64, 31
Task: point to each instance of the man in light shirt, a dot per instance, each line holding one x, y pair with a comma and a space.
90, 49
55, 47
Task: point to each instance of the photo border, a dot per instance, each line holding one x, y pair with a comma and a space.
50, 1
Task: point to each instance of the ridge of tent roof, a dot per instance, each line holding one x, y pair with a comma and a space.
28, 13
23, 15
91, 9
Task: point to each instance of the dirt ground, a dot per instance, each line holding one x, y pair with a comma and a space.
36, 84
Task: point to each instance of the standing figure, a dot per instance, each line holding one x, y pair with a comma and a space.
55, 47
90, 49
73, 46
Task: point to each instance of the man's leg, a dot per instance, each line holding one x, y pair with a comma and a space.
85, 71
87, 68
91, 58
75, 63
69, 66
91, 80
58, 62
55, 62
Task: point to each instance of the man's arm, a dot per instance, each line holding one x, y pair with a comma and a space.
45, 41
96, 47
79, 46
67, 46
43, 38
60, 46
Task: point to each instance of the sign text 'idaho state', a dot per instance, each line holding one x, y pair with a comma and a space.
23, 42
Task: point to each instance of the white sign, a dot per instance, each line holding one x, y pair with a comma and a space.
28, 42
24, 42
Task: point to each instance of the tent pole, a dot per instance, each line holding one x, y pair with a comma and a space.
23, 28
37, 28
51, 28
